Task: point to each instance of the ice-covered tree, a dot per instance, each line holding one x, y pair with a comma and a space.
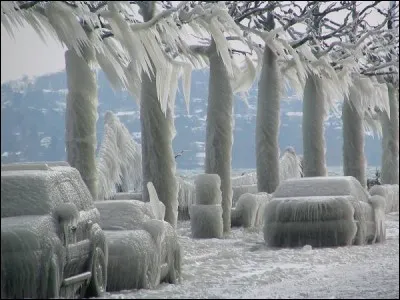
390, 122
73, 24
217, 27
279, 62
119, 160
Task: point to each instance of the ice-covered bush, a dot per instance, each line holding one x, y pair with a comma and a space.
391, 194
243, 212
208, 191
206, 221
242, 189
186, 197
119, 159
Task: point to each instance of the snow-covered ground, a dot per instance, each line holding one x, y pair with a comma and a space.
241, 266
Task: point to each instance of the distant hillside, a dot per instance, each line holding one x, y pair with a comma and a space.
33, 114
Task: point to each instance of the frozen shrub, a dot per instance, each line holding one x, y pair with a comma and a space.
246, 209
316, 221
208, 190
206, 221
242, 189
249, 210
262, 199
391, 194
186, 198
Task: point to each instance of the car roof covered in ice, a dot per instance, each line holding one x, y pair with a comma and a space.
34, 191
321, 186
123, 214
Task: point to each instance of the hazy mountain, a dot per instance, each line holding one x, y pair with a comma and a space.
33, 114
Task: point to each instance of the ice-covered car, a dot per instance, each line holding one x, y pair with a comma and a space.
51, 242
143, 250
323, 211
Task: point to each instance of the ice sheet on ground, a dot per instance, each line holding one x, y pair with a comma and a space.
241, 266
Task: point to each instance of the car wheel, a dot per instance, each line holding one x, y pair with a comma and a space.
53, 287
97, 285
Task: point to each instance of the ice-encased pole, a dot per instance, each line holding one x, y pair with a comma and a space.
390, 139
81, 116
219, 130
314, 114
268, 120
353, 142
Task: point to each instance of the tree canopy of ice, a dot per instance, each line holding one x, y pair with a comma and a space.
207, 187
119, 158
390, 192
390, 138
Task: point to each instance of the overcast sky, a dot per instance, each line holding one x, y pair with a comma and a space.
28, 55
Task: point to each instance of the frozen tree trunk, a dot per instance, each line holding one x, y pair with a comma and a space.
81, 116
158, 160
219, 132
353, 143
390, 140
314, 114
268, 120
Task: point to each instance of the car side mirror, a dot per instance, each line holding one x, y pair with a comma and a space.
66, 212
